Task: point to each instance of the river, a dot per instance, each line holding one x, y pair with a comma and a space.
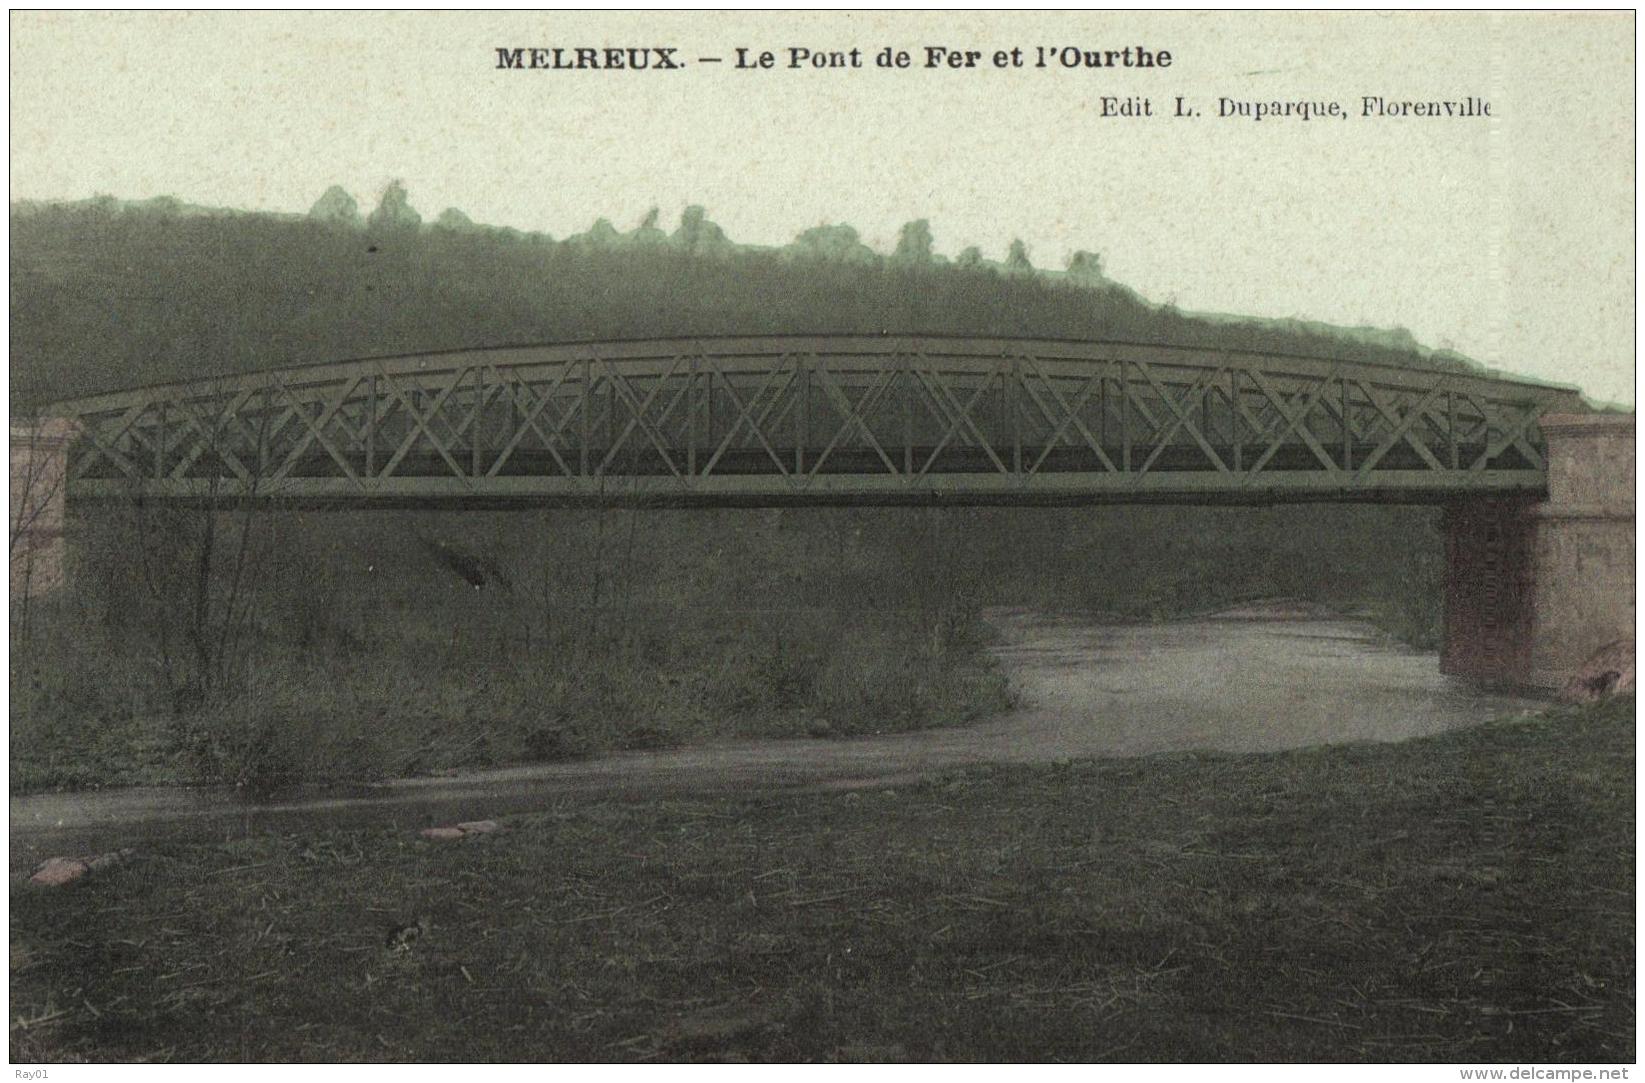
1258, 678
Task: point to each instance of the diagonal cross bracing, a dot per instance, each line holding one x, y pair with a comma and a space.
825, 418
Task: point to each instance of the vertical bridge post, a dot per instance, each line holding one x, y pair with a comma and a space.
1534, 589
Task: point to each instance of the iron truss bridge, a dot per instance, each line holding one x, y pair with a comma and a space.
830, 419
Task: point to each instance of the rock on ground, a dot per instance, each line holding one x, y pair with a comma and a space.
462, 830
57, 871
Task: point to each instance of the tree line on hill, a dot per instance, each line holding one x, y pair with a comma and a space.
107, 295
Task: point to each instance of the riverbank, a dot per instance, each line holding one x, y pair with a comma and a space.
360, 646
1259, 677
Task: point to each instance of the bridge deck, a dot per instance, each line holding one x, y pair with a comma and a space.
837, 419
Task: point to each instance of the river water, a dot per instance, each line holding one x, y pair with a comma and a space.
1259, 678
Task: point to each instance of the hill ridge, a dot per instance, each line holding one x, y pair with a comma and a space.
108, 294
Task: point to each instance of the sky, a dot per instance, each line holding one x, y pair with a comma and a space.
1509, 238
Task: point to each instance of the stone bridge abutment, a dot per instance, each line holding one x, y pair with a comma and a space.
38, 497
1535, 588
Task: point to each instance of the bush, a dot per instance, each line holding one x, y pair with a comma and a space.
282, 732
82, 708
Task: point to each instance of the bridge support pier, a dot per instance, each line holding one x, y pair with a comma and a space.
39, 470
1534, 589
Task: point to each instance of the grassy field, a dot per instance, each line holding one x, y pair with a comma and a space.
1468, 897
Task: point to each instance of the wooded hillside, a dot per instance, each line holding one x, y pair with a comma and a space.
107, 295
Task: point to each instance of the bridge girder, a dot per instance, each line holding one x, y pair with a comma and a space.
826, 419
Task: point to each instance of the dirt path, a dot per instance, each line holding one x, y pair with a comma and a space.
1261, 679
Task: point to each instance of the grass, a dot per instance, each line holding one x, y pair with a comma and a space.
1468, 897
373, 645
87, 714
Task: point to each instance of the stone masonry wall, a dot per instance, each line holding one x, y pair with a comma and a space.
39, 459
1583, 580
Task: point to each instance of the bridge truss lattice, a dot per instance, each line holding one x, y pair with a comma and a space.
829, 419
